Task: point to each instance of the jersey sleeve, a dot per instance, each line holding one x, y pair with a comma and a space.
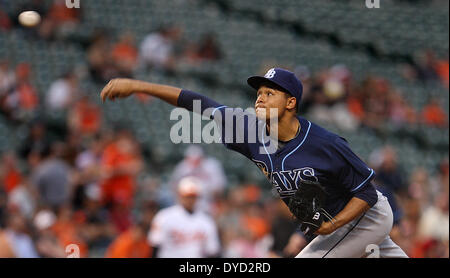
233, 123
353, 174
212, 243
186, 100
156, 233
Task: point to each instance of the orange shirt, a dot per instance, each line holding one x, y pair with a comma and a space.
256, 225
434, 115
355, 107
28, 97
11, 180
66, 232
442, 69
88, 118
118, 188
6, 250
60, 13
123, 51
125, 246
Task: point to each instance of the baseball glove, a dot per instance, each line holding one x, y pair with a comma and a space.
307, 206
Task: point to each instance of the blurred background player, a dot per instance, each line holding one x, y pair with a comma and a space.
181, 231
208, 170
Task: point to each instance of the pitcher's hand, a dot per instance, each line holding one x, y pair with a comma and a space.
118, 88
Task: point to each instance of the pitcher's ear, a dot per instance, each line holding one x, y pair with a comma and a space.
292, 103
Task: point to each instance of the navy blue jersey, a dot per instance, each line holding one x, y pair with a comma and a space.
315, 154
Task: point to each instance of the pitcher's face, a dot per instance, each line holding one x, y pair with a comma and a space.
271, 103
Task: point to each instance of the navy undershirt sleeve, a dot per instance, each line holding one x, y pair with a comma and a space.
231, 130
186, 100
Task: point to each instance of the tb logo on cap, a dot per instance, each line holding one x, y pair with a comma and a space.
270, 73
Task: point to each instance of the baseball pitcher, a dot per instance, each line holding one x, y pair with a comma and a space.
326, 186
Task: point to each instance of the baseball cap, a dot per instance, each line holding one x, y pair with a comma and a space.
282, 78
189, 186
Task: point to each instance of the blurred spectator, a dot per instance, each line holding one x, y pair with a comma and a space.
419, 187
16, 238
120, 215
23, 197
245, 246
22, 100
120, 164
10, 176
3, 207
328, 95
96, 227
6, 250
125, 55
253, 221
101, 65
149, 208
207, 169
87, 165
426, 62
5, 22
47, 244
34, 145
182, 231
228, 219
158, 48
286, 241
244, 231
390, 182
432, 238
52, 178
401, 112
131, 244
442, 69
207, 49
84, 117
434, 115
256, 230
62, 92
59, 21
72, 147
254, 217
434, 222
154, 191
304, 74
428, 67
376, 102
440, 180
388, 171
423, 231
66, 229
355, 102
7, 80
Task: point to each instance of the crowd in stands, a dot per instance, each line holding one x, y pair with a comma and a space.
82, 188
333, 96
80, 183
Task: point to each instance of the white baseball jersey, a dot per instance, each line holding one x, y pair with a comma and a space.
179, 234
